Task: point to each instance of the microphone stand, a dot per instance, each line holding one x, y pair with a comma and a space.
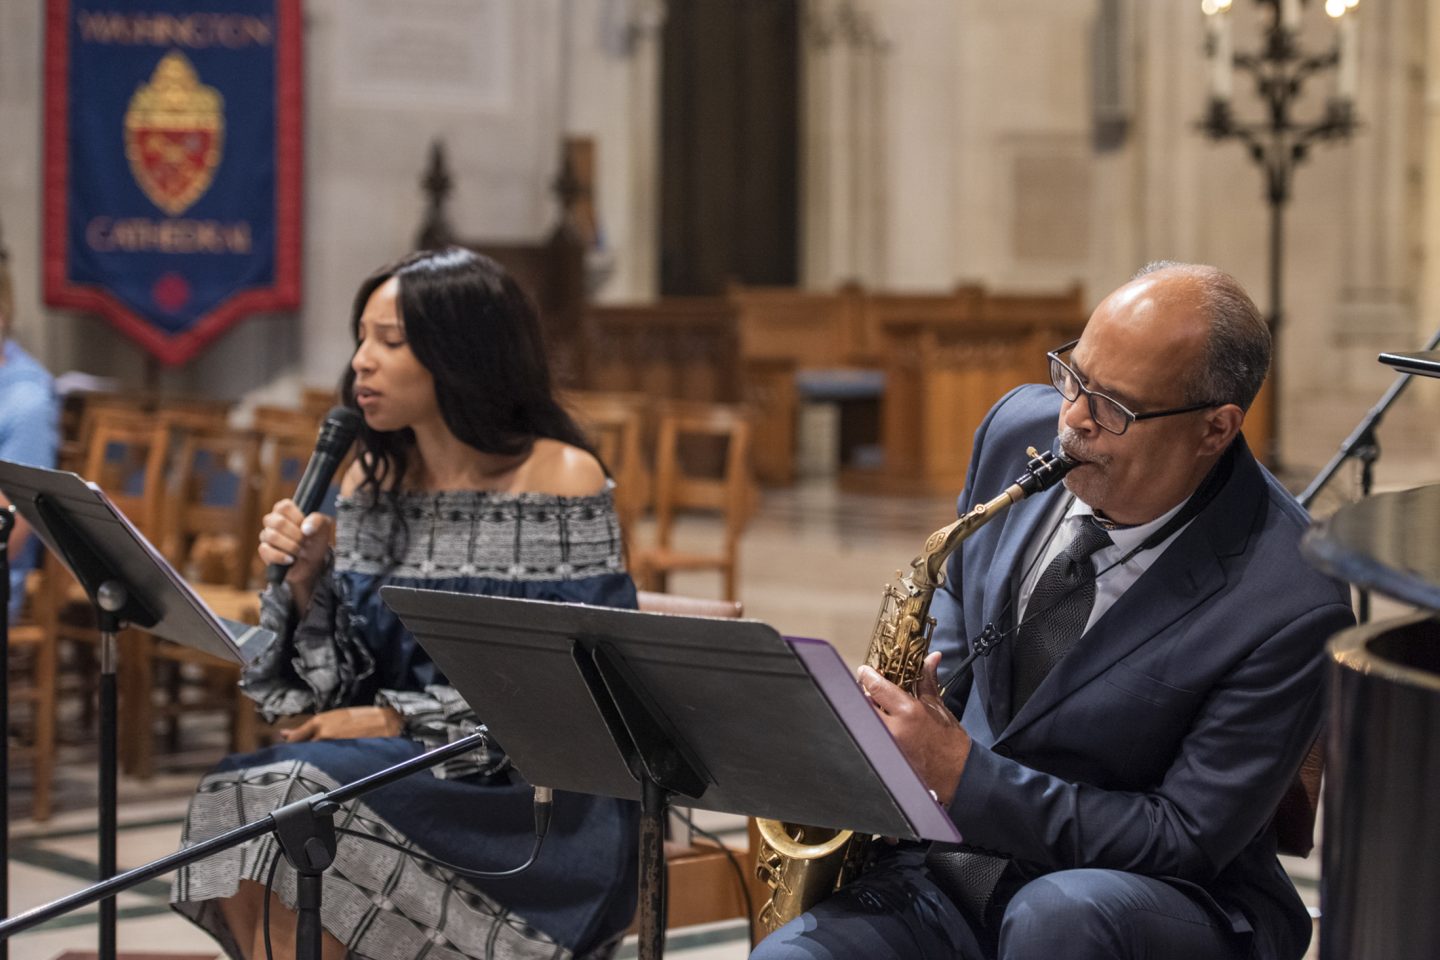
306, 833
1364, 445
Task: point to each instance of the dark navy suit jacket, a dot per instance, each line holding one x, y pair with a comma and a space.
1162, 743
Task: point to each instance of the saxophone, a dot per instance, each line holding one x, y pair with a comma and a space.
801, 864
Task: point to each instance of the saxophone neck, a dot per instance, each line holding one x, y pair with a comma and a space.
929, 567
1043, 471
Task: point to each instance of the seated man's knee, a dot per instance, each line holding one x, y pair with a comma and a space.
773, 948
1110, 914
1070, 913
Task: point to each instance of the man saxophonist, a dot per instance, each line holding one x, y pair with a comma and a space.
1114, 763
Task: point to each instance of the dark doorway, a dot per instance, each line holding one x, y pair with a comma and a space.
729, 144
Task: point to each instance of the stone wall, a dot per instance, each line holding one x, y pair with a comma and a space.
944, 141
381, 81
996, 169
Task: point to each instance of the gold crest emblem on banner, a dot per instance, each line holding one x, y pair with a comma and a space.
174, 129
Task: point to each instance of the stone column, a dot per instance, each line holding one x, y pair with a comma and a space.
642, 279
614, 80
1378, 232
846, 143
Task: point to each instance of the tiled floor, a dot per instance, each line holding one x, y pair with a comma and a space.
813, 564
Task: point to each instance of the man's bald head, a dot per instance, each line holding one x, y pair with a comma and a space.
1183, 349
1236, 354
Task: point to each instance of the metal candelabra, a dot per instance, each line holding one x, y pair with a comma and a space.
1280, 141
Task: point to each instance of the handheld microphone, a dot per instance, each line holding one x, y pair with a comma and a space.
336, 434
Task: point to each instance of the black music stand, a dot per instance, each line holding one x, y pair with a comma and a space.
1364, 442
128, 582
725, 713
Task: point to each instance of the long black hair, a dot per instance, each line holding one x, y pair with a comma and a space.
471, 326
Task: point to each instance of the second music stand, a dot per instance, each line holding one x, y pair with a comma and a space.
725, 713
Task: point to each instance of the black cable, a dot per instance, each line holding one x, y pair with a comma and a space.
435, 861
734, 864
269, 884
541, 826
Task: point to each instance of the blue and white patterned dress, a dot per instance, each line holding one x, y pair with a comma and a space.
350, 650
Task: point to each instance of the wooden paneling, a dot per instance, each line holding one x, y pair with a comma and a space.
942, 376
681, 348
947, 358
812, 330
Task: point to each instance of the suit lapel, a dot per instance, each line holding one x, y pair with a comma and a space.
992, 673
1189, 572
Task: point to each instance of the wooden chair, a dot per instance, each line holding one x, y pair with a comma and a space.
317, 401
727, 490
210, 505
1295, 817
701, 885
124, 453
209, 512
35, 644
78, 415
270, 421
616, 421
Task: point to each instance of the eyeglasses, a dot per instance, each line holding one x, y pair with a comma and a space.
1109, 414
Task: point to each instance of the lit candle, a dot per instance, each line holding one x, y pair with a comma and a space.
1222, 56
1290, 14
1347, 71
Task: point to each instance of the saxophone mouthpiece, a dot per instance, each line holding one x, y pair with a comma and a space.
1044, 471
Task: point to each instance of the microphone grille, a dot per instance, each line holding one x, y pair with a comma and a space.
339, 430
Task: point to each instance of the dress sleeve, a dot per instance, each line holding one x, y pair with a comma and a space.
439, 715
315, 663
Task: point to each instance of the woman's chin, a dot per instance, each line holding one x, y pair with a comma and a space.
377, 421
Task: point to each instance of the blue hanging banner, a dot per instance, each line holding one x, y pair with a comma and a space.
173, 164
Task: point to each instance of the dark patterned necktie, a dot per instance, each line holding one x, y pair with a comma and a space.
1058, 610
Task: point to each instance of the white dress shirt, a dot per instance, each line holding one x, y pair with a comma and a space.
1064, 524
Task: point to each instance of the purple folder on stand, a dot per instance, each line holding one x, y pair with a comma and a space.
837, 684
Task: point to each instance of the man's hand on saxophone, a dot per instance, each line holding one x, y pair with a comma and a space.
929, 735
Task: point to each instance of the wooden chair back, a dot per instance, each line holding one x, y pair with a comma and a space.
678, 605
125, 454
687, 436
317, 401
616, 423
209, 536
1295, 817
269, 420
211, 504
33, 638
678, 487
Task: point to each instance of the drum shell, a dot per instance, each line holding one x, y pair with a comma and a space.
1380, 878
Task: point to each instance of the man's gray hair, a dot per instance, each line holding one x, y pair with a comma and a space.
1237, 352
